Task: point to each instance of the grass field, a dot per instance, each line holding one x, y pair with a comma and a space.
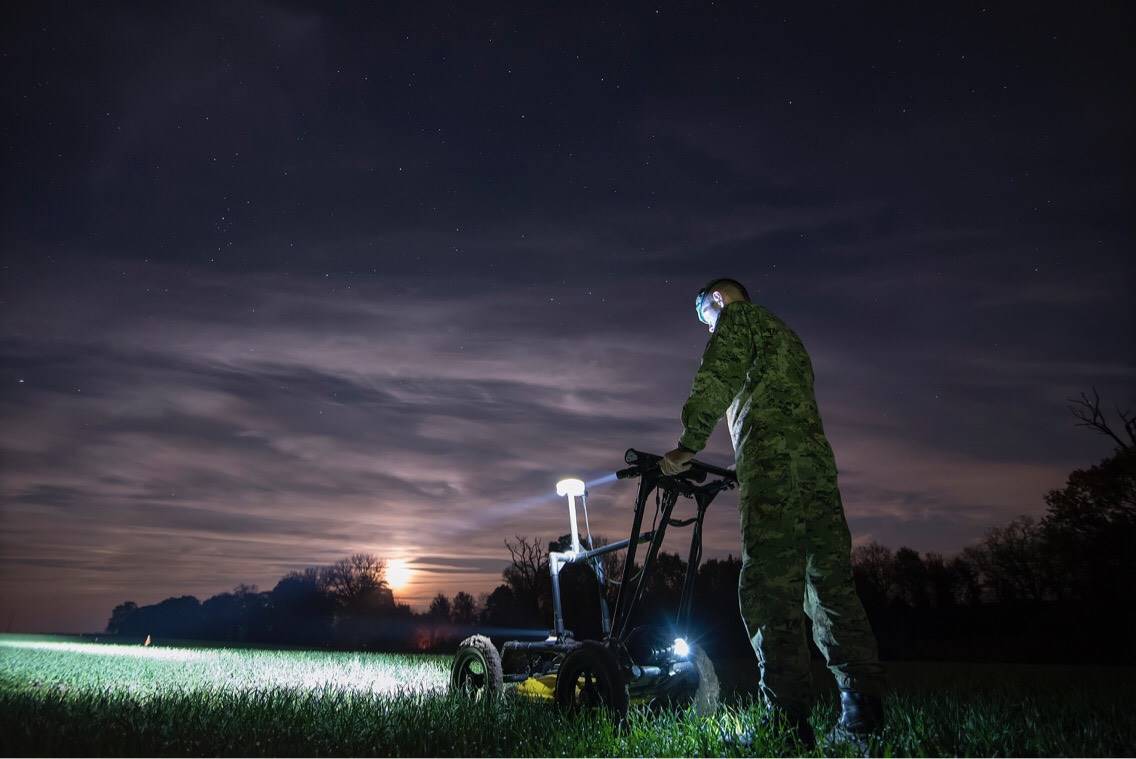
63, 696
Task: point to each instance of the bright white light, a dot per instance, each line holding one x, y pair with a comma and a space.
571, 487
398, 574
102, 649
681, 648
99, 667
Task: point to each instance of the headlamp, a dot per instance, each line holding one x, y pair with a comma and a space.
698, 301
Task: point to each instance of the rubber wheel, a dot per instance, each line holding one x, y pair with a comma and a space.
476, 671
705, 699
590, 678
703, 696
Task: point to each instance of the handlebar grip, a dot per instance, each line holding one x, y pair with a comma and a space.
697, 470
643, 462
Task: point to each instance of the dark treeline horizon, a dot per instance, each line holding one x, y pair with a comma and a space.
1034, 590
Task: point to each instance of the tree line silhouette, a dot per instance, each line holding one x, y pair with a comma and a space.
1051, 589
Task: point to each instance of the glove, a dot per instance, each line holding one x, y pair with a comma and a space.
676, 461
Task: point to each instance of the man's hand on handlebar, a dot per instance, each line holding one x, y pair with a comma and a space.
676, 461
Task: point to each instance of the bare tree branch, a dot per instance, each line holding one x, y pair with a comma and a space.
1129, 424
528, 569
1091, 417
350, 579
528, 562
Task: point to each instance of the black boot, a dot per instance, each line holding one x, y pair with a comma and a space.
861, 715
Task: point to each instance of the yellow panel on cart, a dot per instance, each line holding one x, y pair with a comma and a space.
545, 687
538, 687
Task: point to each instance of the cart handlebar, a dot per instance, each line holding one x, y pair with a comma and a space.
696, 472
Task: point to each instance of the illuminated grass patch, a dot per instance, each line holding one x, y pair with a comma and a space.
63, 697
144, 671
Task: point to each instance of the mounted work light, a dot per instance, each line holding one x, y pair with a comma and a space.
572, 488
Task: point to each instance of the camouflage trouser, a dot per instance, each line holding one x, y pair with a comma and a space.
796, 560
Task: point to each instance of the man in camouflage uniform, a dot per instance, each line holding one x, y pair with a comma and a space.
796, 547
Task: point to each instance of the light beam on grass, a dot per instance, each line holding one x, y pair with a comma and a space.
105, 649
156, 670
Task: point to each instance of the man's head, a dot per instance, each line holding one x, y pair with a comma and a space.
713, 298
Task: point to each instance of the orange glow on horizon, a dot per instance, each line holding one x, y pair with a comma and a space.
398, 574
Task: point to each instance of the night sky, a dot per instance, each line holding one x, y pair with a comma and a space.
281, 284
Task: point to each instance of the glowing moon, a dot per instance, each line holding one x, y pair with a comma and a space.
398, 574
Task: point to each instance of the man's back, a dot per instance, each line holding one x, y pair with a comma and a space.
756, 367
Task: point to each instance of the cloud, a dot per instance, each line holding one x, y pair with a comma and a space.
249, 426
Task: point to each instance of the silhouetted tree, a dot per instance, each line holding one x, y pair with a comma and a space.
940, 582
172, 618
464, 609
358, 582
500, 608
717, 580
1090, 524
365, 602
663, 590
1011, 561
911, 578
304, 610
440, 608
873, 567
120, 618
223, 618
527, 576
965, 581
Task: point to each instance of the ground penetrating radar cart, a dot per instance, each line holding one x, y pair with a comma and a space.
643, 664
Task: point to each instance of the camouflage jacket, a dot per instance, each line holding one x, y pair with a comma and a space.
755, 369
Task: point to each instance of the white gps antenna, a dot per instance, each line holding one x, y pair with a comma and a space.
572, 488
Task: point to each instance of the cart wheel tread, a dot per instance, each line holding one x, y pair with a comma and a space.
476, 670
590, 677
